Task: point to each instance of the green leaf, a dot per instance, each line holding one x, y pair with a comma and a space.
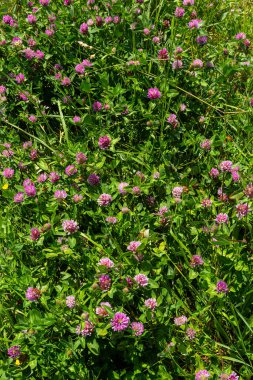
33, 364
93, 347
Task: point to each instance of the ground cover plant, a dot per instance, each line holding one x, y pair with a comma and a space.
126, 190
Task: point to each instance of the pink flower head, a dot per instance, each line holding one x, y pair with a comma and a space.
214, 173
8, 173
70, 226
201, 40
133, 245
44, 2
29, 53
206, 144
249, 190
172, 120
28, 182
97, 106
226, 166
86, 63
235, 175
196, 260
233, 376
242, 210
27, 144
105, 282
51, 18
163, 54
76, 119
197, 63
2, 90
7, 19
222, 196
120, 322
16, 41
247, 43
221, 218
206, 202
99, 20
66, 81
156, 175
188, 2
60, 195
179, 321
195, 23
7, 153
108, 20
116, 19
35, 234
106, 262
33, 294
104, 199
104, 142
156, 40
141, 279
32, 19
42, 178
84, 28
7, 145
203, 374
70, 170
137, 328
80, 69
81, 158
125, 210
177, 191
87, 330
178, 50
77, 198
19, 197
14, 352
240, 36
136, 190
146, 31
33, 154
20, 78
70, 302
221, 287
24, 96
177, 64
179, 12
54, 177
31, 42
101, 311
30, 190
111, 219
154, 93
121, 188
151, 303
32, 118
162, 210
191, 333
93, 179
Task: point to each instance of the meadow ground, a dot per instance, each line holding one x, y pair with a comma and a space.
126, 189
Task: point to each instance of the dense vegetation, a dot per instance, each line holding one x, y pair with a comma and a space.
126, 190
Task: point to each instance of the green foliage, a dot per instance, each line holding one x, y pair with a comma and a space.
168, 202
